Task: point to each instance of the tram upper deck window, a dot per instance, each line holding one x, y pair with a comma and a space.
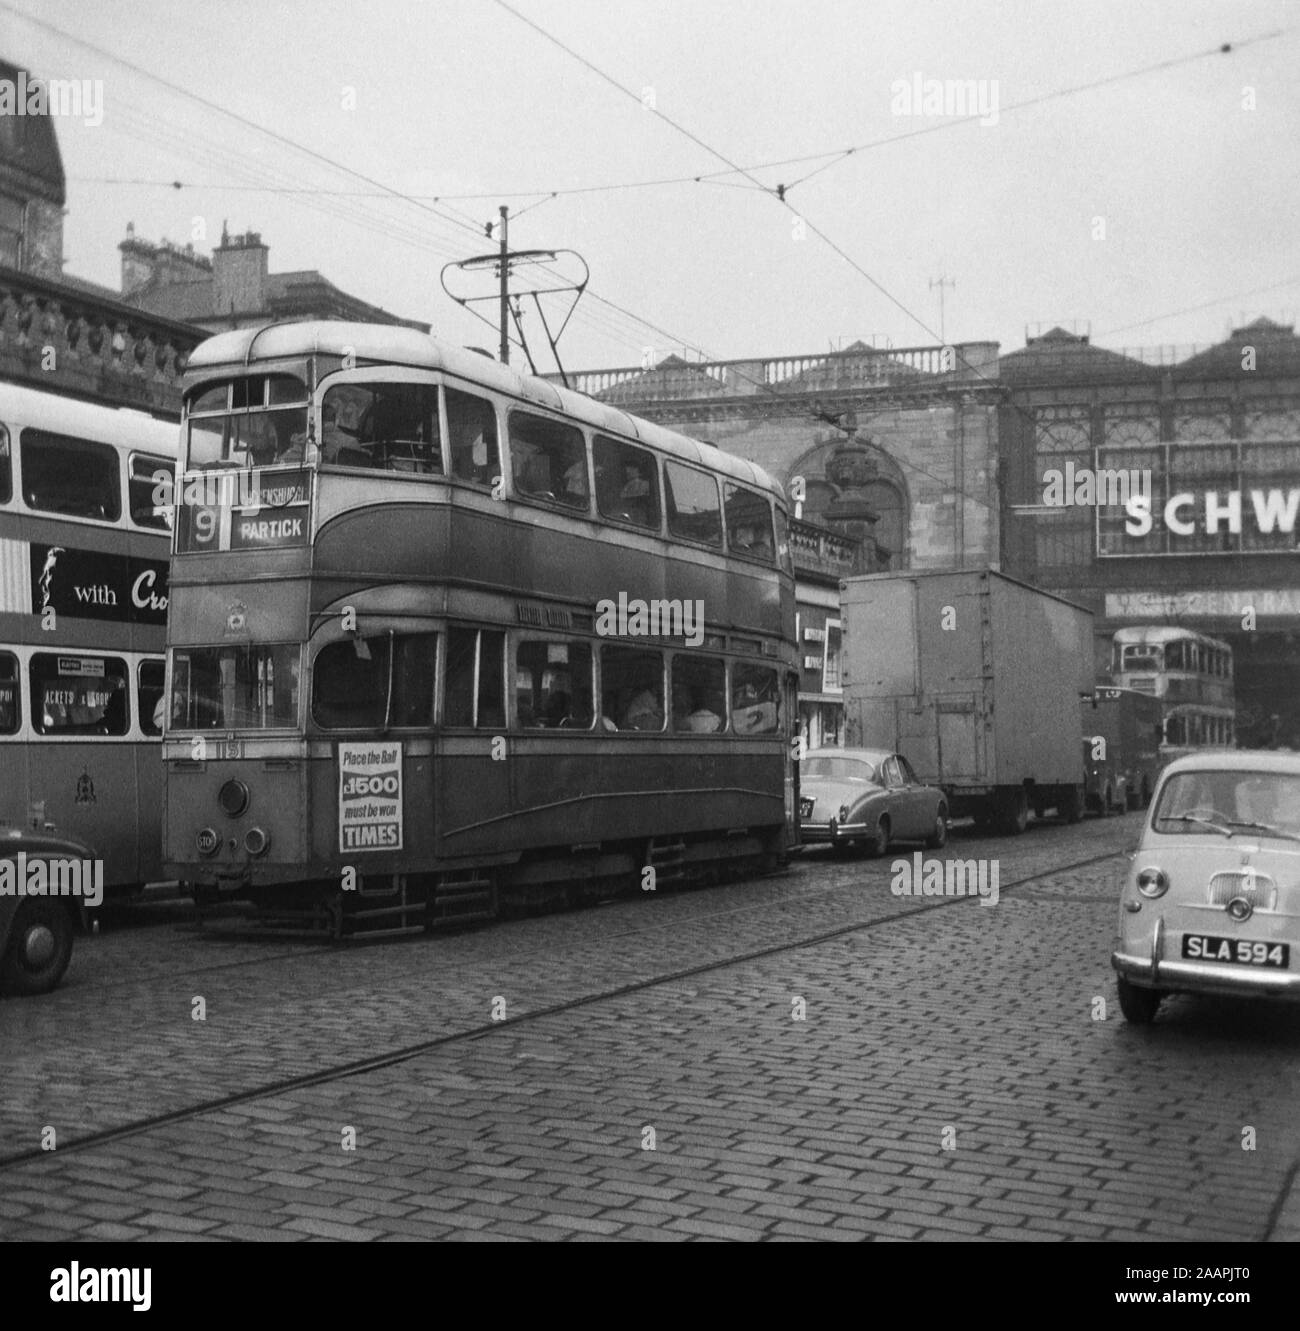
79, 695
553, 685
691, 497
385, 426
149, 696
627, 482
256, 421
476, 679
144, 476
6, 472
70, 476
235, 688
472, 437
10, 703
749, 522
353, 686
549, 460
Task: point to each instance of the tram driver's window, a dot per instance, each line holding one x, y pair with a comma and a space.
548, 460
6, 472
475, 689
632, 688
749, 522
10, 707
388, 426
691, 498
755, 700
79, 695
472, 437
70, 476
553, 686
350, 682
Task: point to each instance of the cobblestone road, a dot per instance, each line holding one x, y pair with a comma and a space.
911, 1073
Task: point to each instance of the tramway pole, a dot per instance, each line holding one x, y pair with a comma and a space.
505, 286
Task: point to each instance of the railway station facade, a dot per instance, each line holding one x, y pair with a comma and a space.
935, 457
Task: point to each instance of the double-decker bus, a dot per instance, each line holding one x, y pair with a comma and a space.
1190, 674
84, 550
441, 633
1122, 734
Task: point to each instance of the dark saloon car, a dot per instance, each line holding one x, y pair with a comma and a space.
867, 797
35, 931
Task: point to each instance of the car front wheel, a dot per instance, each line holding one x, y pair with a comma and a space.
879, 842
1137, 1004
40, 947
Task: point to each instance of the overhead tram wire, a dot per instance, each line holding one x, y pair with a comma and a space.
827, 158
779, 193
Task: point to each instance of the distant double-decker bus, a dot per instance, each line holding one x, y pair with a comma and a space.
1190, 674
84, 552
441, 633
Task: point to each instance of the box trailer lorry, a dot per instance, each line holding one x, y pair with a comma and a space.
976, 679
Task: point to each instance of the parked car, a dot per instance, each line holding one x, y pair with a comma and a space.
36, 931
867, 797
1211, 901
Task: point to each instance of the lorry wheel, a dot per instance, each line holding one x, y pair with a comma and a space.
40, 947
938, 839
879, 842
1014, 812
1137, 1004
1069, 804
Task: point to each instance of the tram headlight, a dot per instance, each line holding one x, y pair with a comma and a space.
256, 841
1152, 882
233, 798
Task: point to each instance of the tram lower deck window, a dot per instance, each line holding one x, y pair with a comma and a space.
149, 695
476, 679
356, 686
632, 687
235, 688
79, 695
553, 685
699, 694
755, 700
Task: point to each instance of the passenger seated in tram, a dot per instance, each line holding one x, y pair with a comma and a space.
644, 712
753, 714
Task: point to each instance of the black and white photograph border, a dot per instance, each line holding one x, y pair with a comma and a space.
564, 705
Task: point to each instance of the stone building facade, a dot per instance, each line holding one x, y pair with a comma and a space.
1218, 435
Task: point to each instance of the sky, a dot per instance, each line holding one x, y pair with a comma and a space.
1158, 208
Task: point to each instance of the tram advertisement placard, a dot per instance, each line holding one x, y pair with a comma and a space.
90, 584
370, 797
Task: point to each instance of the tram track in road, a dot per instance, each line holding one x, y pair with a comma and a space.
406, 1053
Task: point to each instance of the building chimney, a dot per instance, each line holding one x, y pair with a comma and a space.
239, 273
145, 265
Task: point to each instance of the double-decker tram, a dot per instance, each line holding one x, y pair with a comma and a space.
1190, 674
442, 635
84, 546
